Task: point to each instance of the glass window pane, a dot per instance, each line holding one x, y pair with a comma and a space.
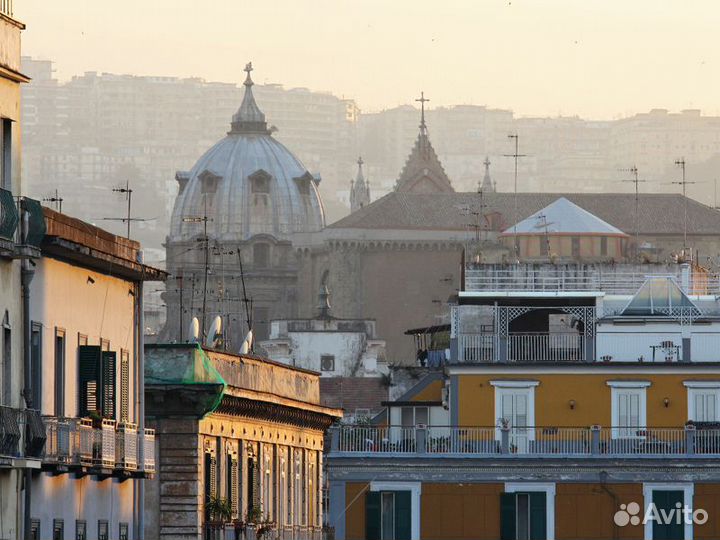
421, 415
407, 419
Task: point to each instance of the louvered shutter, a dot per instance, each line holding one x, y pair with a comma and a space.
234, 492
108, 383
403, 515
372, 515
124, 387
538, 515
508, 516
88, 378
213, 476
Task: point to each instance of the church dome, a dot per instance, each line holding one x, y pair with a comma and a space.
247, 184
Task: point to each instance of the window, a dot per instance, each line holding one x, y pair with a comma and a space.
666, 498
210, 478
231, 471
35, 529
58, 529
7, 362
261, 323
96, 380
603, 246
515, 406
82, 339
103, 529
327, 362
261, 255
703, 401
412, 416
575, 246
80, 529
7, 154
124, 385
59, 372
389, 513
543, 241
260, 182
123, 532
628, 408
523, 516
36, 363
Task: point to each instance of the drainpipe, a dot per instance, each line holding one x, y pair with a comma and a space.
616, 501
26, 274
140, 329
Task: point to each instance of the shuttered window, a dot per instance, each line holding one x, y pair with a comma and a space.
523, 516
665, 502
232, 482
124, 386
388, 515
96, 370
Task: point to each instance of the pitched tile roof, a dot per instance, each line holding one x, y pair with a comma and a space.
660, 213
352, 393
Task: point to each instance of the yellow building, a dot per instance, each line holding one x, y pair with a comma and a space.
579, 403
237, 431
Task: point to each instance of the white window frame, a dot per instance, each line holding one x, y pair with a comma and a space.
688, 490
515, 387
549, 489
621, 387
700, 387
415, 489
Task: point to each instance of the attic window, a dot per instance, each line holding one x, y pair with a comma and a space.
260, 181
208, 181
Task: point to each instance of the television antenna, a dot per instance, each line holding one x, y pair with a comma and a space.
55, 199
127, 219
515, 155
684, 183
544, 225
206, 247
635, 180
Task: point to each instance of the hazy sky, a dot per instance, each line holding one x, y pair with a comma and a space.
597, 59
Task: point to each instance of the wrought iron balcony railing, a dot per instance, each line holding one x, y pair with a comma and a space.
522, 347
75, 442
21, 433
590, 442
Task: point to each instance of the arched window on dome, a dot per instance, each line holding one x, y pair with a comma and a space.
208, 185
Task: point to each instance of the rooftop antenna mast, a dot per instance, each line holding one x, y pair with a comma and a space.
545, 224
515, 155
56, 199
245, 300
636, 180
128, 219
206, 246
681, 163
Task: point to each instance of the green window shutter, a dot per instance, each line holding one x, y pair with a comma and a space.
508, 513
233, 481
538, 515
403, 515
108, 383
666, 500
372, 515
88, 379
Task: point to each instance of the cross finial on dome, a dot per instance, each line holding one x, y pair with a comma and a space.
248, 69
360, 161
422, 100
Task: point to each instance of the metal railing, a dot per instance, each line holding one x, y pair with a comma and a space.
543, 347
9, 215
76, 442
21, 432
527, 441
611, 279
476, 347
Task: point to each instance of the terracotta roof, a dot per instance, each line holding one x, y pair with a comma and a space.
352, 393
660, 213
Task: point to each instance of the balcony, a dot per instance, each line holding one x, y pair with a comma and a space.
21, 435
107, 449
621, 279
530, 442
218, 531
523, 347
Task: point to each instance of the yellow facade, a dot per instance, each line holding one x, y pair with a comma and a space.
589, 392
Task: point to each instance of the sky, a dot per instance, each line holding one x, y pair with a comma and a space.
598, 59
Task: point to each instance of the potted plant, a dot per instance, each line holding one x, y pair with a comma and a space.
218, 511
253, 519
265, 527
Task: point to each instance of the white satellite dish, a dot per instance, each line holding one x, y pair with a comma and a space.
246, 346
194, 331
214, 335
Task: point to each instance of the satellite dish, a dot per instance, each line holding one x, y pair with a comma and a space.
194, 331
246, 346
214, 335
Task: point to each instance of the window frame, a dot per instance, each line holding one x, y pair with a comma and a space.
688, 489
618, 388
701, 387
60, 379
539, 487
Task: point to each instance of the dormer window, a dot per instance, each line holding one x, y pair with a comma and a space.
260, 181
208, 182
303, 182
182, 178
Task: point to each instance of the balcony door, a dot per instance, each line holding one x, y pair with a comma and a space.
515, 407
388, 515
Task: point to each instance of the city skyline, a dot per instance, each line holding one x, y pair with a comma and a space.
565, 59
